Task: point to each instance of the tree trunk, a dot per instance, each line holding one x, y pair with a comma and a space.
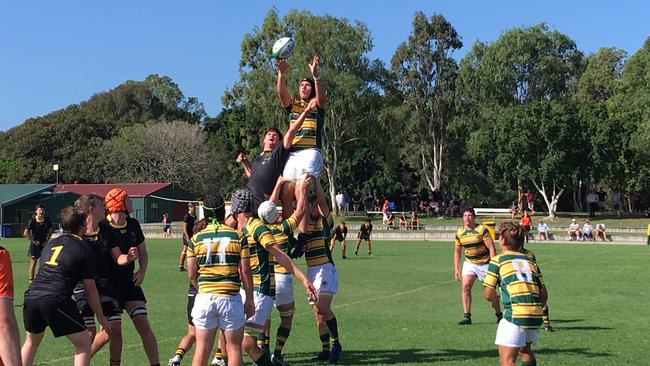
552, 200
520, 195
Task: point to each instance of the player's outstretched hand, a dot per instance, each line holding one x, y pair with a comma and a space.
312, 104
106, 325
283, 65
240, 158
313, 66
311, 291
249, 308
138, 278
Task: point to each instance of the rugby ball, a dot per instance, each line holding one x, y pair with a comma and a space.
268, 213
283, 47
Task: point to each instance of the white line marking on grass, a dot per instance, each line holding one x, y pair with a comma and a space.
103, 350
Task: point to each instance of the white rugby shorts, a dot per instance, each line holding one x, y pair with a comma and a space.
214, 311
511, 335
477, 270
283, 289
301, 162
263, 307
324, 278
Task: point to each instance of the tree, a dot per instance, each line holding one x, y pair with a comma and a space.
524, 78
349, 78
174, 152
426, 74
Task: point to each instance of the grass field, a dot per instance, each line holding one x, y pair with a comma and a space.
400, 307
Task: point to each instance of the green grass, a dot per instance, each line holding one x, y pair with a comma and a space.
401, 307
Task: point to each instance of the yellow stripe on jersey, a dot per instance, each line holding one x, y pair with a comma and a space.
259, 237
218, 250
317, 252
473, 243
281, 234
308, 135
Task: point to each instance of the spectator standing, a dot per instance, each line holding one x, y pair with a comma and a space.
592, 200
616, 202
340, 203
167, 226
38, 231
530, 200
526, 223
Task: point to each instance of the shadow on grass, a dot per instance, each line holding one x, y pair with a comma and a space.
585, 352
560, 321
391, 357
583, 327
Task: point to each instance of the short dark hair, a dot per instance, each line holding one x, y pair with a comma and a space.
273, 129
468, 209
40, 205
86, 201
368, 220
72, 219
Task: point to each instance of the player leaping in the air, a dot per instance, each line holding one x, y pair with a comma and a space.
305, 156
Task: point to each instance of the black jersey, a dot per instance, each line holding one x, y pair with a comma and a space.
66, 260
123, 237
39, 231
100, 245
189, 220
364, 231
340, 234
265, 170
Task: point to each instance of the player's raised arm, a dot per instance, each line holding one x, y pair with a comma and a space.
281, 86
243, 160
318, 86
295, 126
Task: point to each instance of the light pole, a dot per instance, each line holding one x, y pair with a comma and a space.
56, 169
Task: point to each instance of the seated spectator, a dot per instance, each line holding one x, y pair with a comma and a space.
526, 223
424, 207
601, 232
514, 210
391, 221
574, 230
434, 207
402, 221
542, 230
451, 209
587, 231
415, 222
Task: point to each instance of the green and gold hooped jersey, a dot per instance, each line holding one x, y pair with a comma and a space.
472, 241
259, 237
281, 234
520, 281
310, 132
218, 250
318, 252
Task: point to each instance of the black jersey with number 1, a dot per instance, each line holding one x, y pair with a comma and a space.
65, 261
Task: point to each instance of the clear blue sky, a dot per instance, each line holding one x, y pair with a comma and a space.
55, 53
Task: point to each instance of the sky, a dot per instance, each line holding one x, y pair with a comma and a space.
57, 53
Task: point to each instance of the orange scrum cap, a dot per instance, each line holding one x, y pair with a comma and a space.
115, 200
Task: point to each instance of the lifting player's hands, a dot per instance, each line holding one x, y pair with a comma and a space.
312, 295
241, 158
313, 66
138, 278
249, 308
132, 254
283, 65
106, 325
313, 102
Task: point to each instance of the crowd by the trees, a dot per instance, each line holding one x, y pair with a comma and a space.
529, 111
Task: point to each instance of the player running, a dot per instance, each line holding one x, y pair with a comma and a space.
48, 300
479, 248
523, 293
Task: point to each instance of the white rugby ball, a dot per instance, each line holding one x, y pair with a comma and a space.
283, 47
268, 212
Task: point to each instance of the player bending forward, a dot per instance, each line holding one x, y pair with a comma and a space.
522, 292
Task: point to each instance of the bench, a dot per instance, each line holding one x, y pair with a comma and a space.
492, 211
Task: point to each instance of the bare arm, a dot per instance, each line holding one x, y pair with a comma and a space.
490, 245
281, 85
143, 262
275, 195
290, 266
543, 295
193, 272
243, 160
93, 300
247, 281
318, 86
457, 263
124, 259
489, 293
10, 345
295, 126
301, 204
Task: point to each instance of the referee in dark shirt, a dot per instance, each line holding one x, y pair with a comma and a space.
340, 233
48, 302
